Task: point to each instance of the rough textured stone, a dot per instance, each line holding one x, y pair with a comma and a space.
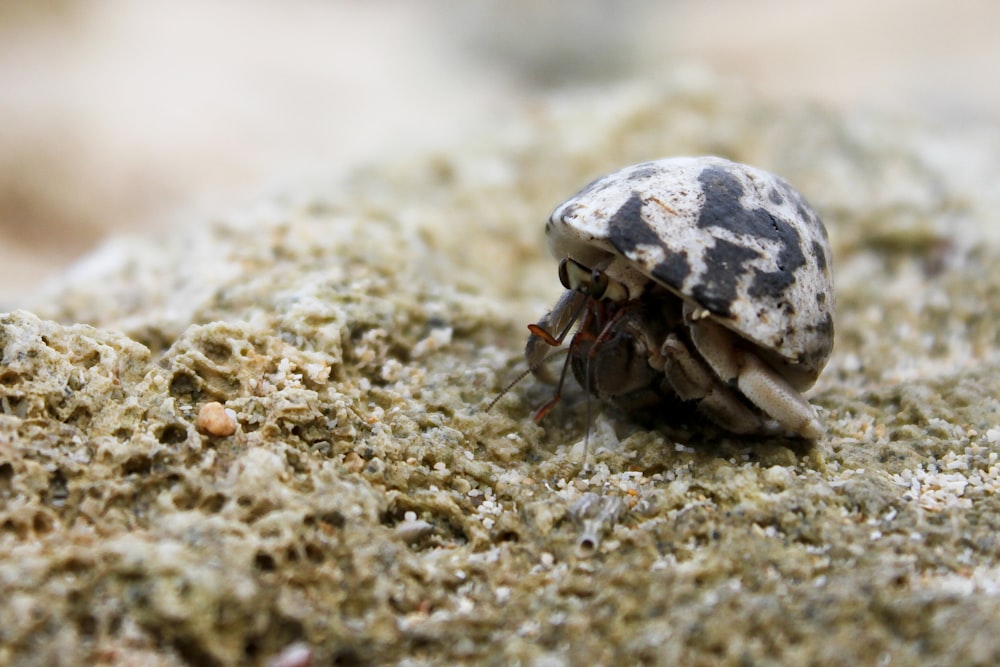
369, 506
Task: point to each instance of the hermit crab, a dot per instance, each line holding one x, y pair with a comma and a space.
692, 282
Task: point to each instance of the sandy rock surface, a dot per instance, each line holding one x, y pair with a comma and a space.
369, 510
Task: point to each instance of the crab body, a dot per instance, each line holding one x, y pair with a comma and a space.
693, 280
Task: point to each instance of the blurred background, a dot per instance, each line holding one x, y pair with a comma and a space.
129, 116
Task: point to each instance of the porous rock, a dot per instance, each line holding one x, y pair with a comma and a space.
358, 333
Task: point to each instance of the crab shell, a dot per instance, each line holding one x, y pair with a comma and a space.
737, 243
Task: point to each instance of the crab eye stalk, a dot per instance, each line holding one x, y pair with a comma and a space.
564, 274
598, 284
575, 276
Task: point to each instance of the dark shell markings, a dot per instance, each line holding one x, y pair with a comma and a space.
717, 273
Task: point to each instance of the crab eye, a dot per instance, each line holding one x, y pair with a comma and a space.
575, 276
564, 274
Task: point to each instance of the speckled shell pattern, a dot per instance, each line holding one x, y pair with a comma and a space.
733, 239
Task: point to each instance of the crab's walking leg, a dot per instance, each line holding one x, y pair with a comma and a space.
761, 384
693, 380
772, 394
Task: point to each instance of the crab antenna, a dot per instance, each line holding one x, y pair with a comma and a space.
520, 376
590, 423
601, 337
544, 410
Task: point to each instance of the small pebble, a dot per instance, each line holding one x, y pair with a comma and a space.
214, 419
